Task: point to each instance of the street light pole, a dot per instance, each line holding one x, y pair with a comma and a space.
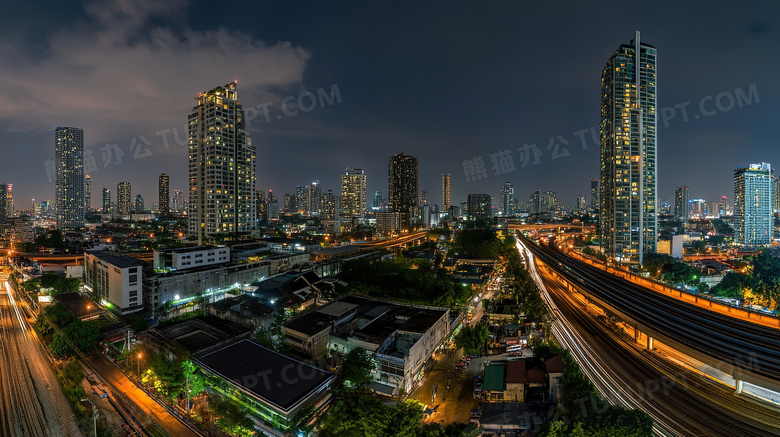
95, 415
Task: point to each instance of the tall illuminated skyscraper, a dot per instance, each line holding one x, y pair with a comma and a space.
9, 199
178, 200
628, 214
164, 188
594, 195
69, 177
445, 192
106, 200
402, 186
353, 193
221, 166
3, 204
681, 208
753, 205
123, 199
507, 200
139, 204
87, 193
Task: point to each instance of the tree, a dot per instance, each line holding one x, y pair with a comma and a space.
356, 368
231, 417
355, 417
59, 315
196, 380
73, 372
655, 263
404, 419
472, 340
699, 246
59, 347
264, 337
547, 349
766, 278
82, 334
733, 285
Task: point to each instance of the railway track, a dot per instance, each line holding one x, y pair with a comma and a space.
681, 402
24, 413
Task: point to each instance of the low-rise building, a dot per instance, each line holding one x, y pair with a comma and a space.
401, 337
293, 292
513, 380
188, 257
192, 335
81, 307
273, 387
114, 278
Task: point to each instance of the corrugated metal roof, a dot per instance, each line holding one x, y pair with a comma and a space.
494, 377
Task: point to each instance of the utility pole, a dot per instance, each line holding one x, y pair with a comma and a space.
95, 415
188, 394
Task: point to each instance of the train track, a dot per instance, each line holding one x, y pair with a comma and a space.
24, 413
681, 402
746, 346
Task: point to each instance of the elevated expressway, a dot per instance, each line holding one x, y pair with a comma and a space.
747, 351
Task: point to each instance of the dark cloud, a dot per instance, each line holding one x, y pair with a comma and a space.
444, 84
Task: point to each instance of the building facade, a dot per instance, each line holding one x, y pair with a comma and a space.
353, 193
69, 177
402, 186
753, 221
681, 209
114, 278
222, 164
331, 212
445, 192
480, 206
106, 200
87, 194
123, 199
594, 195
164, 194
507, 199
628, 214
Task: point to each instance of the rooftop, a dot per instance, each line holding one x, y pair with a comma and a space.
78, 305
188, 249
494, 377
242, 361
199, 333
116, 259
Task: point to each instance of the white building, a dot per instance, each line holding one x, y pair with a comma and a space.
189, 257
115, 279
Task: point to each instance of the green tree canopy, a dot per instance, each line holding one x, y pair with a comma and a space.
356, 368
472, 340
82, 334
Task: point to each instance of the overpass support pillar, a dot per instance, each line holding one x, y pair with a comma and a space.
649, 343
738, 386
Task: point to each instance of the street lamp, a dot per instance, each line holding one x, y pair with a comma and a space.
138, 363
94, 415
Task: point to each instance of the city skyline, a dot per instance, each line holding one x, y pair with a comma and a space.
739, 134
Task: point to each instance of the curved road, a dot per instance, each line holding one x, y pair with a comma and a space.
681, 402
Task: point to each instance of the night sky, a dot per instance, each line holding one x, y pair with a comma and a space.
443, 81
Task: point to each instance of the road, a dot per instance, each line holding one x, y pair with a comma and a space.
33, 403
680, 401
138, 399
752, 349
